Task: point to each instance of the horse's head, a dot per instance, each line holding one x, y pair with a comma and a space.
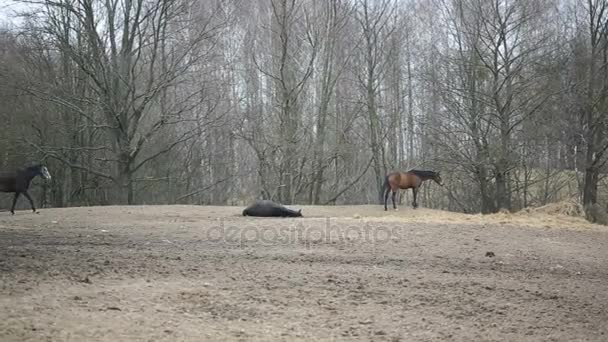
42, 171
437, 179
293, 213
45, 173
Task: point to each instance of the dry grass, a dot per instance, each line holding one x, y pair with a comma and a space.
564, 215
564, 208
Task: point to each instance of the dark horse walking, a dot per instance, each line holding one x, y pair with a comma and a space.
405, 180
19, 181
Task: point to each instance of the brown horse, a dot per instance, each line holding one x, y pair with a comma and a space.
405, 180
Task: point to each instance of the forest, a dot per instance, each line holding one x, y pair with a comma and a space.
307, 101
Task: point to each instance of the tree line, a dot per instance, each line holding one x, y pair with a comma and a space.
308, 101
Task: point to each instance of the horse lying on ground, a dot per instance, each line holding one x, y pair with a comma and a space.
267, 208
405, 180
19, 182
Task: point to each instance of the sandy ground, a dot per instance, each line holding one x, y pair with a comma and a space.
186, 273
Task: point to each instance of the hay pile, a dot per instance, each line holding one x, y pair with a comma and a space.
594, 213
566, 208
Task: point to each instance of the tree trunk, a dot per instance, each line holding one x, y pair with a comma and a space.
591, 178
410, 107
326, 91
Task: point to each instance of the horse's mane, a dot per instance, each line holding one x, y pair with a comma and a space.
29, 168
423, 173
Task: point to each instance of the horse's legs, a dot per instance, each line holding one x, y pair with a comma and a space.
394, 205
15, 202
30, 199
415, 191
388, 189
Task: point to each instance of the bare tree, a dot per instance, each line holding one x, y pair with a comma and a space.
377, 26
593, 90
335, 16
131, 55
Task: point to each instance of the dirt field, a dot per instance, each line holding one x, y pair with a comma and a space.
185, 273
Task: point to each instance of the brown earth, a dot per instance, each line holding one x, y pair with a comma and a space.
188, 273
